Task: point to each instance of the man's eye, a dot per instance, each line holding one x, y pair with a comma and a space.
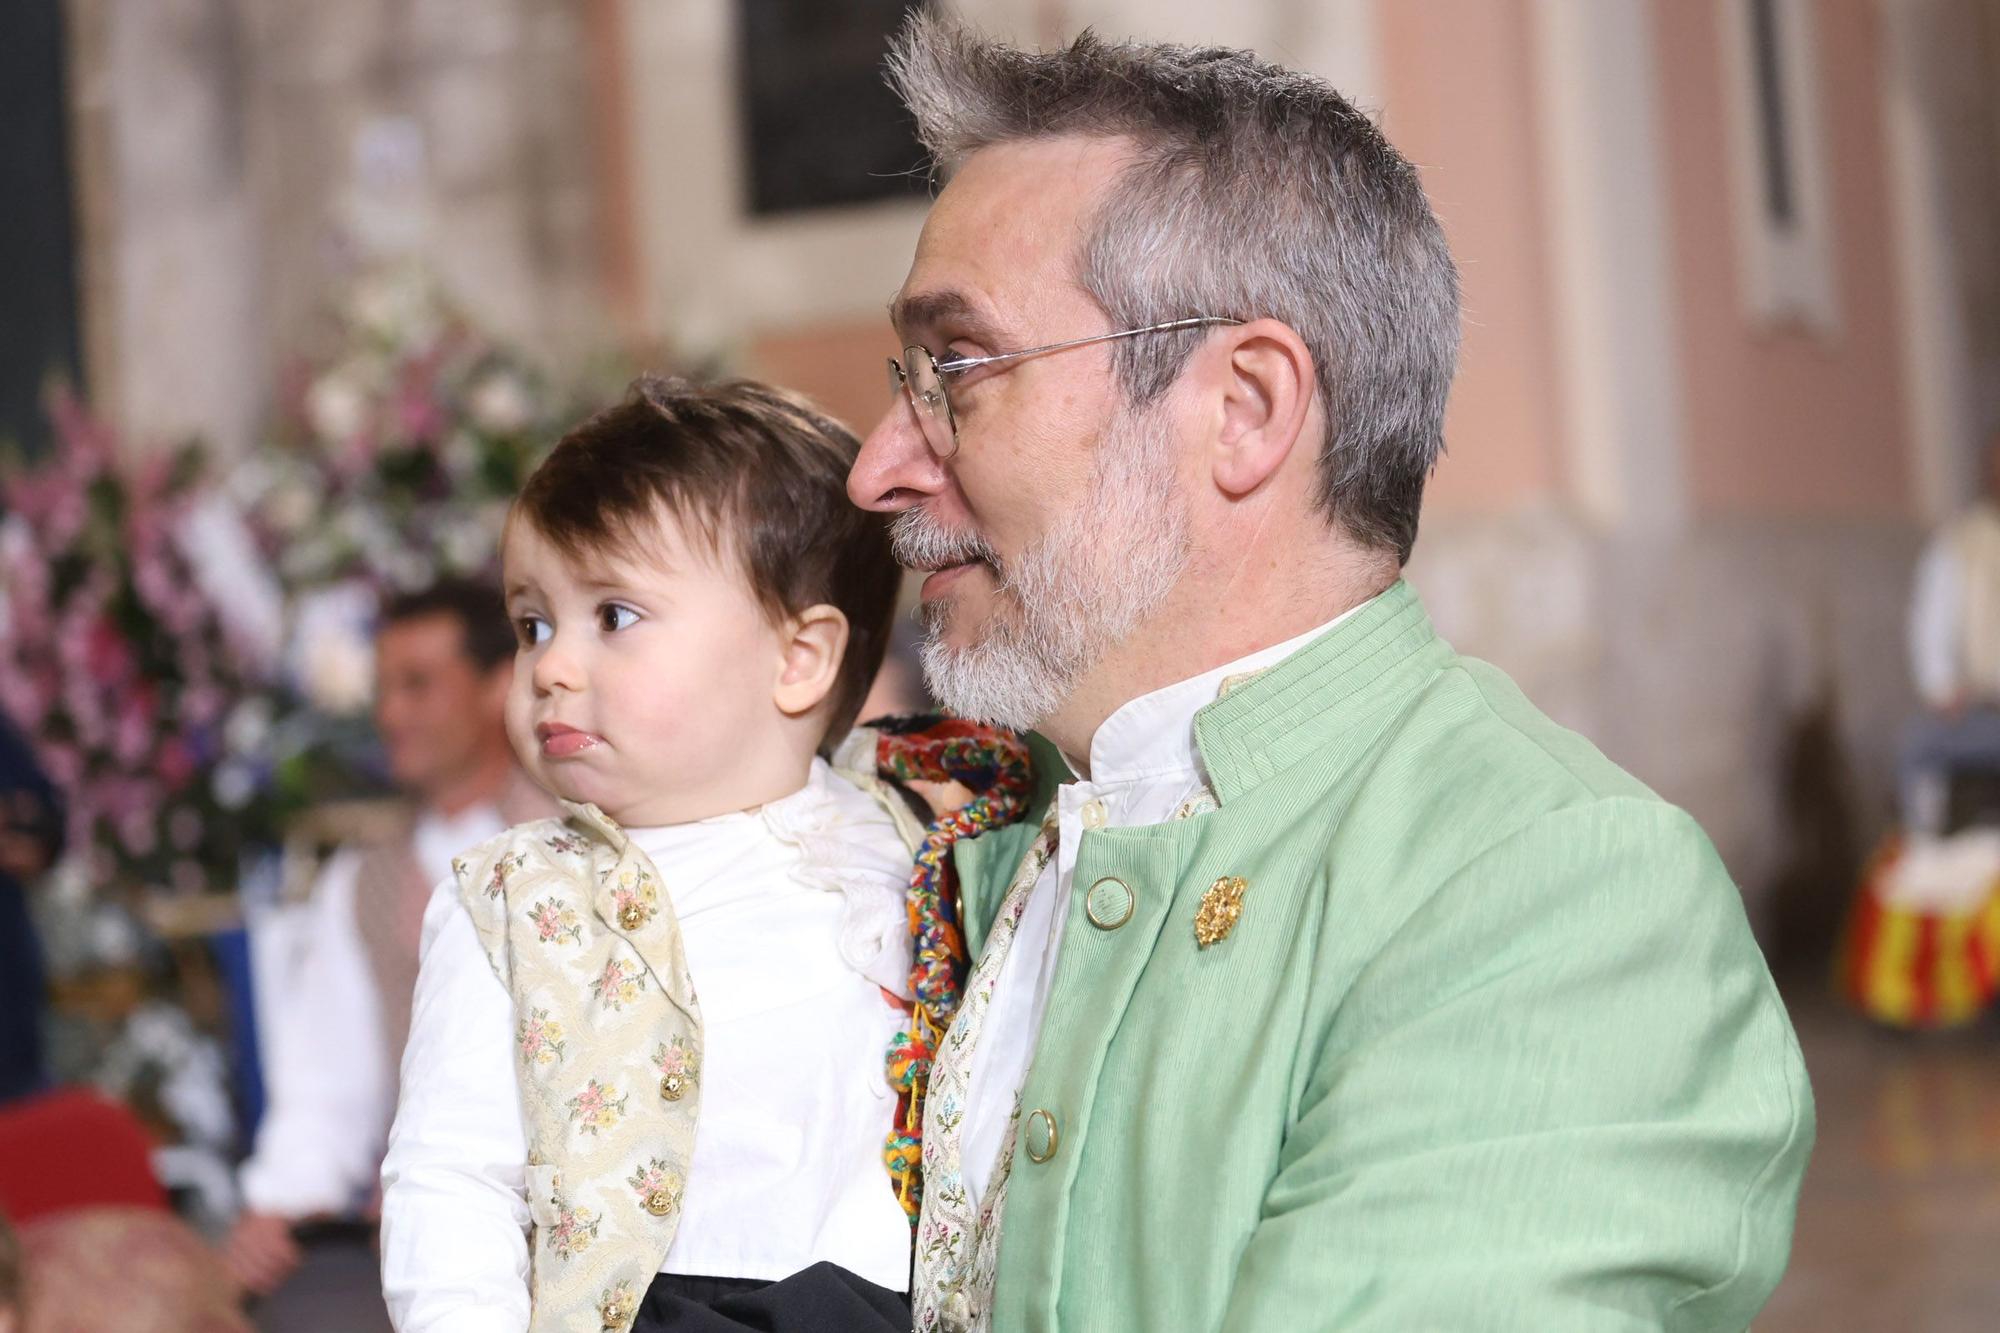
532, 631
612, 617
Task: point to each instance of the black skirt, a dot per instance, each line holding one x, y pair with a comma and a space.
822, 1299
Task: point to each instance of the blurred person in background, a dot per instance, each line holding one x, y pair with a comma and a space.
1955, 658
11, 1280
443, 662
30, 838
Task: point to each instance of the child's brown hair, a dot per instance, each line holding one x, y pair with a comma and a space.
759, 474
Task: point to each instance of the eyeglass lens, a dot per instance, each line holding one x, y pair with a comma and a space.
918, 376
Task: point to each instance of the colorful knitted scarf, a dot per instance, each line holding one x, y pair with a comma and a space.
994, 765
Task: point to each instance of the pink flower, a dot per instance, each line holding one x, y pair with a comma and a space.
174, 763
137, 832
107, 657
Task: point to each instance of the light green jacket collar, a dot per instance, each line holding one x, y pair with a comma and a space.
1328, 702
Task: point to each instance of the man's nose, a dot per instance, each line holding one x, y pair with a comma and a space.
895, 468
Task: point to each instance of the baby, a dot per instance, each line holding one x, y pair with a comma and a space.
646, 1056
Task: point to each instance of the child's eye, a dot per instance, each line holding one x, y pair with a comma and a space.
532, 631
612, 617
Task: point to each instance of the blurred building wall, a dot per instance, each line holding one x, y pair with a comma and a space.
1692, 454
237, 161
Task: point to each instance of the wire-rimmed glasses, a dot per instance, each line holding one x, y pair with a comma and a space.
921, 376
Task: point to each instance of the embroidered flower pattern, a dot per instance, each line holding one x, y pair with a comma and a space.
541, 1038
671, 1058
556, 922
575, 1228
618, 1306
958, 1249
505, 866
566, 842
657, 1185
619, 984
596, 1107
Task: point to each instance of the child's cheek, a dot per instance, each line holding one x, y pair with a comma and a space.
521, 730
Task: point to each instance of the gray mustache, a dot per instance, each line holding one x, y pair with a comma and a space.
920, 542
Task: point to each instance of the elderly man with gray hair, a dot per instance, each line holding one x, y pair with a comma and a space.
1329, 984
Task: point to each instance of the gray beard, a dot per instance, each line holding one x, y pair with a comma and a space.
1072, 596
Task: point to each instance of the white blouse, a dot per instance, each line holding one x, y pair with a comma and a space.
329, 1077
792, 917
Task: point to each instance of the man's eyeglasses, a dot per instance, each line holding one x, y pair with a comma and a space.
921, 376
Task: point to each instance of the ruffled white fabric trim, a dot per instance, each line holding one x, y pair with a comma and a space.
847, 844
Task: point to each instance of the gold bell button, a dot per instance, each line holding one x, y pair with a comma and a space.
660, 1202
957, 1312
673, 1086
631, 916
1040, 1136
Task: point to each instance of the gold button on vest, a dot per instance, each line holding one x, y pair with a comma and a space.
1109, 903
1040, 1136
660, 1202
673, 1086
631, 916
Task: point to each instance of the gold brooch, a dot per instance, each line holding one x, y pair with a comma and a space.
1221, 907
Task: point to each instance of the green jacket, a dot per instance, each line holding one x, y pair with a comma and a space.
1490, 1047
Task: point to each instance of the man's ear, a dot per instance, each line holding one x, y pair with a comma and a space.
810, 651
1266, 386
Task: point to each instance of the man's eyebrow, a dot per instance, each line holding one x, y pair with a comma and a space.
922, 311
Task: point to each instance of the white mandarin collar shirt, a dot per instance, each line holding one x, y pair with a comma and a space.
789, 914
329, 1078
1143, 767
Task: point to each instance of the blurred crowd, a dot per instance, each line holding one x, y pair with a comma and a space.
333, 970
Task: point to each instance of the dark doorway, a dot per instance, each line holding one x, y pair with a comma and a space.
38, 312
821, 128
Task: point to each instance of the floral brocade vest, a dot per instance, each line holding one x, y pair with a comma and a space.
576, 921
607, 1052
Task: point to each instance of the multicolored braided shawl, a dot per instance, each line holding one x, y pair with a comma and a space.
994, 765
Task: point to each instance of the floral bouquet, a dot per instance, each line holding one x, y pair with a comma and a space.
392, 465
115, 657
397, 457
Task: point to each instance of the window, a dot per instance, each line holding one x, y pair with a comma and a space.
821, 126
1783, 222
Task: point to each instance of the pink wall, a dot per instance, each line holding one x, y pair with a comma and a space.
842, 366
1783, 422
1458, 99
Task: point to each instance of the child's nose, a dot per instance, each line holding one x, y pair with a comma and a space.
557, 667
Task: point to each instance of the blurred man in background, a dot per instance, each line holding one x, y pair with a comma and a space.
30, 837
444, 658
1955, 658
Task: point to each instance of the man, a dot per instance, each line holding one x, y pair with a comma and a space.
443, 661
30, 838
1955, 658
1338, 988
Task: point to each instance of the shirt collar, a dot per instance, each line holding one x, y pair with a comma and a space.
801, 808
1153, 735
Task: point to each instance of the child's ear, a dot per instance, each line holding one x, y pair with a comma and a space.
814, 642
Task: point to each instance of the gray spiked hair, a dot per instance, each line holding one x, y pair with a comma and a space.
1254, 192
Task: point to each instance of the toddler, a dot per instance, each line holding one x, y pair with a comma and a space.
646, 1057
